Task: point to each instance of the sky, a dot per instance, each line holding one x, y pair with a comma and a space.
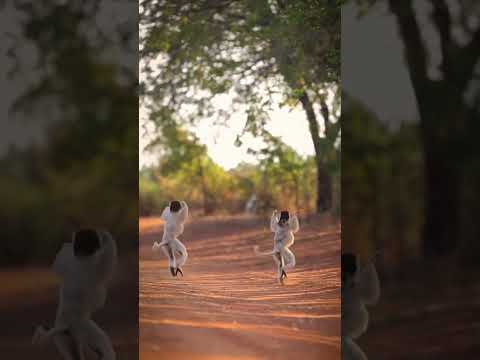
289, 124
373, 66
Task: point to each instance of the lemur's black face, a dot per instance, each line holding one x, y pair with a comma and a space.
85, 242
349, 266
284, 217
175, 206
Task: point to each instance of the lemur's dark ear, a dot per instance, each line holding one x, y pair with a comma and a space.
284, 215
175, 206
85, 242
349, 263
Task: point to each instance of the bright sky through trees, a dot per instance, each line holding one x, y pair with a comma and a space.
289, 124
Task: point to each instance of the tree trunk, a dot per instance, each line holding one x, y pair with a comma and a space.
442, 206
205, 197
324, 188
324, 178
297, 195
448, 131
442, 133
469, 237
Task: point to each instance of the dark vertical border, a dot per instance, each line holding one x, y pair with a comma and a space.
68, 159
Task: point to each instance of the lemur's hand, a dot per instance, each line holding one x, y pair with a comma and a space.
373, 259
39, 336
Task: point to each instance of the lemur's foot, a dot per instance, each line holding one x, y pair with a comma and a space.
178, 271
284, 275
172, 271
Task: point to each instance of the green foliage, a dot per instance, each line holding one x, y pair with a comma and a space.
251, 50
214, 48
282, 179
382, 182
85, 174
289, 177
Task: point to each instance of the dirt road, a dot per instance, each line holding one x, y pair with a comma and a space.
430, 312
229, 305
28, 297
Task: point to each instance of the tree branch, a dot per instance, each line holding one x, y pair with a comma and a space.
312, 123
471, 55
325, 112
443, 22
416, 54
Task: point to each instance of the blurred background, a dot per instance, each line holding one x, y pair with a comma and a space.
68, 157
239, 106
410, 170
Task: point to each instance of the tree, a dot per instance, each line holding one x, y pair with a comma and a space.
88, 101
382, 183
449, 110
257, 52
286, 174
182, 156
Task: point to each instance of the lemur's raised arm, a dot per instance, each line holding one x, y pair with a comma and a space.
107, 257
367, 284
183, 213
293, 224
165, 213
180, 214
61, 262
274, 221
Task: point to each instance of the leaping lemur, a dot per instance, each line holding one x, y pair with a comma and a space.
174, 216
85, 266
283, 227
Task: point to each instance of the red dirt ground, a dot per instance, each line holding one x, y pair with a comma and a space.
29, 298
430, 312
229, 305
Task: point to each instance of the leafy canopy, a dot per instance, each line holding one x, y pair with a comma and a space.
259, 52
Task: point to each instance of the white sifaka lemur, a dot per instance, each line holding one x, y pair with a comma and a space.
360, 287
174, 216
86, 266
284, 227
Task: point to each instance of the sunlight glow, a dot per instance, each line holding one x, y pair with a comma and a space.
289, 124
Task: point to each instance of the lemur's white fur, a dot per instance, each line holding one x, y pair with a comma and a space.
175, 251
83, 290
283, 239
358, 292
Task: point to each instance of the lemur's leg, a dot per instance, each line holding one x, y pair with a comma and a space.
279, 261
181, 252
99, 342
68, 347
351, 351
43, 335
283, 274
168, 251
289, 258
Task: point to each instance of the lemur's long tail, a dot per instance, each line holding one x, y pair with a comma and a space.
260, 253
